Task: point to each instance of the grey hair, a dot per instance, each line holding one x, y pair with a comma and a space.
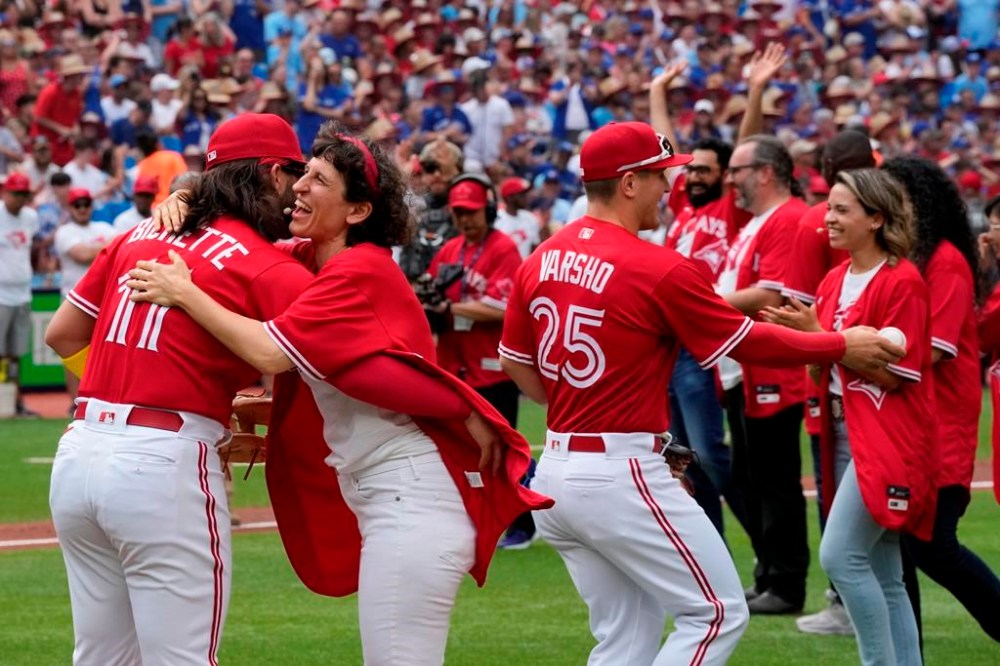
771, 151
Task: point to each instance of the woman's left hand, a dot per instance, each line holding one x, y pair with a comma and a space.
488, 440
163, 284
794, 315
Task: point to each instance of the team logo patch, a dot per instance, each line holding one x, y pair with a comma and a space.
899, 498
586, 233
713, 254
211, 156
870, 389
107, 418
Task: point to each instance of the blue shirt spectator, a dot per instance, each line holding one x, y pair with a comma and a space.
977, 22
329, 97
248, 24
856, 16
437, 119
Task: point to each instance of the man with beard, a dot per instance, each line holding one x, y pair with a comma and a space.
137, 489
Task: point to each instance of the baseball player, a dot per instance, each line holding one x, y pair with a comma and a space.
592, 329
409, 477
137, 489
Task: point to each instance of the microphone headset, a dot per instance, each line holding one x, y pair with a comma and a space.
491, 203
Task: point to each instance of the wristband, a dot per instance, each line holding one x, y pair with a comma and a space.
77, 362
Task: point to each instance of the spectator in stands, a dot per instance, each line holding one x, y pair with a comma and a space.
184, 48
158, 164
117, 105
16, 78
18, 224
197, 120
166, 106
123, 132
440, 161
339, 37
39, 168
143, 193
514, 219
59, 106
51, 215
84, 173
217, 43
324, 96
492, 123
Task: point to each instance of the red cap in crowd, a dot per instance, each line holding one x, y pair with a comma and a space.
468, 194
147, 185
17, 182
618, 148
253, 136
78, 194
818, 185
511, 186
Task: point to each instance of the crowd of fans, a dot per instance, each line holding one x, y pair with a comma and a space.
111, 91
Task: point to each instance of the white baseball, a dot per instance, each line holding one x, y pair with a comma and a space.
894, 335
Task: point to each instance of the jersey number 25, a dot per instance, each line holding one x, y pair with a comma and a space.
574, 339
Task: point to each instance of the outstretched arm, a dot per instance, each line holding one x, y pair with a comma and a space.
659, 113
763, 67
171, 285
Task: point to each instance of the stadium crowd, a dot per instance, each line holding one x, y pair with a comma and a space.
485, 106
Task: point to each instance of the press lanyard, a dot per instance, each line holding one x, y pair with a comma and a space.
465, 269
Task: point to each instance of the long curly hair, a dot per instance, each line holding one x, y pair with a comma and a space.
240, 189
939, 213
391, 221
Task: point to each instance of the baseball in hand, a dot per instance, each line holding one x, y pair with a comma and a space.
894, 335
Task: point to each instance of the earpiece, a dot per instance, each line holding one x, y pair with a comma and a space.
491, 206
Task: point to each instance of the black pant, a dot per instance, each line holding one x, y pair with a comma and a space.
955, 567
769, 461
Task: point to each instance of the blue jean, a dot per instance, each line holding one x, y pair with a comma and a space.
863, 559
696, 421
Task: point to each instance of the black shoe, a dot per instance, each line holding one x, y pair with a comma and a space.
751, 593
770, 603
23, 412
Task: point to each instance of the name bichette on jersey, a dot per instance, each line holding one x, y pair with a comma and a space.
222, 247
576, 268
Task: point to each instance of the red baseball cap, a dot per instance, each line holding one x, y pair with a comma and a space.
78, 193
618, 148
17, 182
253, 136
511, 186
147, 185
468, 194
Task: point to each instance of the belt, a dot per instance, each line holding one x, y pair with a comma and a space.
836, 407
144, 417
595, 444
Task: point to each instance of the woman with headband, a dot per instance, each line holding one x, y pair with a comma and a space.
428, 503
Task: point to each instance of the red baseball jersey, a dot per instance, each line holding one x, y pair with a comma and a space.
763, 263
601, 314
471, 353
957, 389
892, 433
361, 305
146, 354
989, 343
703, 234
811, 259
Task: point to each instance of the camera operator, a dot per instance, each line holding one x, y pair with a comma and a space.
440, 162
476, 272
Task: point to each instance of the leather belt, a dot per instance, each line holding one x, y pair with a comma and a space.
836, 407
144, 417
595, 444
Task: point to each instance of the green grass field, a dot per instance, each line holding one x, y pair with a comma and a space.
529, 612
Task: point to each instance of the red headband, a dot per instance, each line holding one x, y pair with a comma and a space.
371, 168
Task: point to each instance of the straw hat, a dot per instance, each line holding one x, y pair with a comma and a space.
836, 54
926, 73
426, 20
402, 36
990, 102
220, 98
380, 130
389, 17
73, 64
735, 107
423, 60
230, 86
769, 102
844, 113
269, 91
840, 88
880, 122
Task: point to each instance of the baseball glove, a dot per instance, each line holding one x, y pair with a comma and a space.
251, 407
679, 457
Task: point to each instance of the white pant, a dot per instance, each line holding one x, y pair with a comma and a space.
637, 548
144, 526
418, 544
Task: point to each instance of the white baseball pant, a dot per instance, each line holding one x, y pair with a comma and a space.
418, 544
142, 518
638, 547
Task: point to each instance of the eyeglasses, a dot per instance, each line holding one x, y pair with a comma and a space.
698, 170
753, 165
430, 167
666, 152
83, 204
294, 170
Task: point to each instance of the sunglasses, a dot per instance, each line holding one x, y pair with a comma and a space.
430, 167
666, 151
83, 204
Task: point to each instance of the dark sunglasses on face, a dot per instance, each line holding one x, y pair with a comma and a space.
430, 167
83, 204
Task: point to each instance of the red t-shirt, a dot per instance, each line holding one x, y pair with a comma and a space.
892, 433
601, 314
212, 56
157, 356
764, 263
811, 259
957, 389
490, 266
989, 343
177, 54
703, 234
56, 104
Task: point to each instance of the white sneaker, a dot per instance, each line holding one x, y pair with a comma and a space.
831, 621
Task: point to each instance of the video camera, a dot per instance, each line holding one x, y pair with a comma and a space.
430, 292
